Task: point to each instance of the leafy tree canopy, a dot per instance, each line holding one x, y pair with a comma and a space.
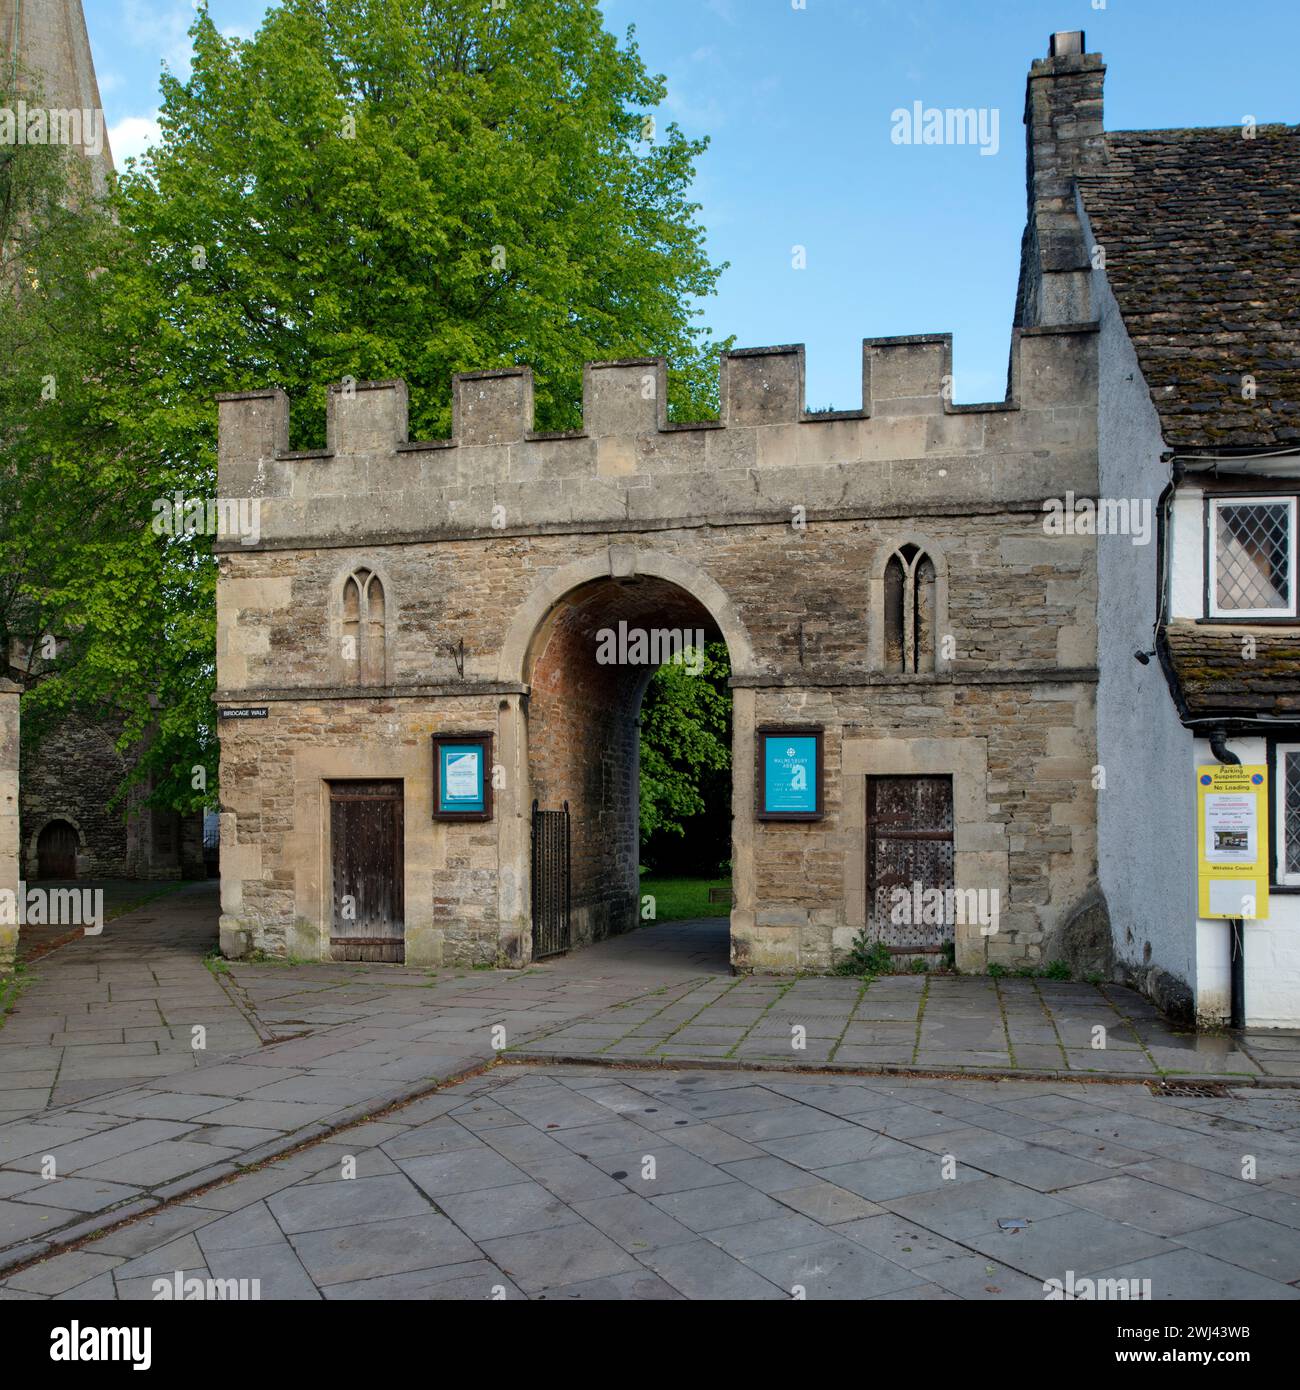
364, 189
381, 188
686, 751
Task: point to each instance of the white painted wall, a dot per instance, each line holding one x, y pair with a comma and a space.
1187, 551
1146, 816
1272, 947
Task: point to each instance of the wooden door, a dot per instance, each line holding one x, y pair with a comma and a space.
368, 863
909, 853
56, 851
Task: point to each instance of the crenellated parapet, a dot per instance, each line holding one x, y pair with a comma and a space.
630, 465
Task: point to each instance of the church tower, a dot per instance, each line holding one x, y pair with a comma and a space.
46, 46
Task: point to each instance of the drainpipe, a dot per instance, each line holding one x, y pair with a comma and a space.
1237, 1017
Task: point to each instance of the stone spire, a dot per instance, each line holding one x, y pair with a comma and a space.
45, 46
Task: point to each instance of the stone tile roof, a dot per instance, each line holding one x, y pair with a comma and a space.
1215, 677
1201, 230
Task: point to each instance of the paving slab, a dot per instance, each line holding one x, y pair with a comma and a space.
295, 1052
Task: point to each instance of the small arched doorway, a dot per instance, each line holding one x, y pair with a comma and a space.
56, 851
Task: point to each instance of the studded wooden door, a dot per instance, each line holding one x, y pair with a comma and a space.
909, 853
366, 849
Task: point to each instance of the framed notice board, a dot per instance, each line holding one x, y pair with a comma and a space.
462, 776
790, 772
1233, 839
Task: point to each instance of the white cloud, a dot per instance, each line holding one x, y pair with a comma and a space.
161, 29
132, 136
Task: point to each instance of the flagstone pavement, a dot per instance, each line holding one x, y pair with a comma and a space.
578, 1183
113, 1106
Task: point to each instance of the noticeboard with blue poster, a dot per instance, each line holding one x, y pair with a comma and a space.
462, 776
790, 773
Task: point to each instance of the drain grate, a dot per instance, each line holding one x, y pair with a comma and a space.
1201, 1090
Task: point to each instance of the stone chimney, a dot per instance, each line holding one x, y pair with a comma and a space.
46, 50
1063, 137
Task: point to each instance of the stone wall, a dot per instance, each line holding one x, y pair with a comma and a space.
73, 773
502, 552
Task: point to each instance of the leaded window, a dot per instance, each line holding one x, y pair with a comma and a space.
1252, 557
1288, 814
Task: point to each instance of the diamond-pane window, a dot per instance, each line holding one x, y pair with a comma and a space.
1253, 562
1288, 801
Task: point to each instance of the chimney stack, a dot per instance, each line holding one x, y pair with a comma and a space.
1064, 136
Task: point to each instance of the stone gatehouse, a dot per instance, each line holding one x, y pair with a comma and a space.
883, 576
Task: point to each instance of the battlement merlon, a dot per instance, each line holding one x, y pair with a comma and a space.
1051, 367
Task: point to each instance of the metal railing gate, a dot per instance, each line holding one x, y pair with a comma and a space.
550, 881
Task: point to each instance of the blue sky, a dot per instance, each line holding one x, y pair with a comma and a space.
797, 96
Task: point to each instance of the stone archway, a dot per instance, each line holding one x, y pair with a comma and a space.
54, 847
574, 647
623, 562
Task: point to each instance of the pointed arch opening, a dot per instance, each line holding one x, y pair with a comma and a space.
364, 628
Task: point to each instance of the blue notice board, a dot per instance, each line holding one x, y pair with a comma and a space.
462, 787
790, 774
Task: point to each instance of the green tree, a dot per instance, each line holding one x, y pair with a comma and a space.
380, 188
70, 484
365, 189
686, 758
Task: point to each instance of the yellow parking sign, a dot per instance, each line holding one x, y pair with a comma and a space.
1232, 834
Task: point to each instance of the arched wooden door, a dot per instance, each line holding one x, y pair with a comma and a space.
56, 851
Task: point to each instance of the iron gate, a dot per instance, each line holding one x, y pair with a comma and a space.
550, 881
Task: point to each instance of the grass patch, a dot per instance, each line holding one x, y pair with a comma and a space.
11, 986
677, 899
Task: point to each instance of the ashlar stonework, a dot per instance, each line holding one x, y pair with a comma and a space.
501, 553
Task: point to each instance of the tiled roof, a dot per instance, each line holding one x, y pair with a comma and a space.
1201, 232
1218, 675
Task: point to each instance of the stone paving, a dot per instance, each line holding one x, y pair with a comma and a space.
100, 1079
921, 1022
120, 896
570, 1183
106, 1010
341, 1042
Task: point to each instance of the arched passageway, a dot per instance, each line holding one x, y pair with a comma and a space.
588, 666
